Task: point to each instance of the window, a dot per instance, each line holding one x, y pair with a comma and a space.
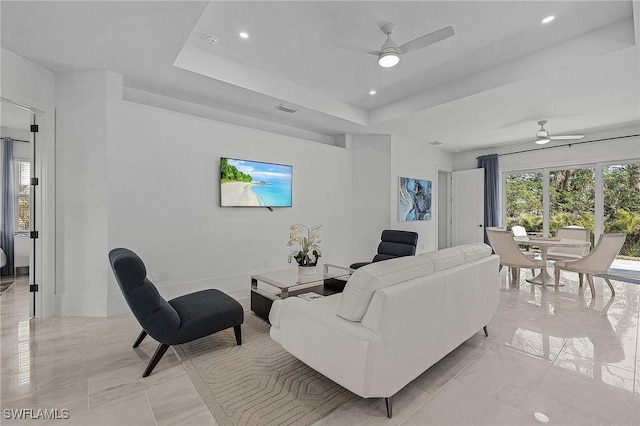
524, 200
622, 204
572, 199
23, 201
602, 197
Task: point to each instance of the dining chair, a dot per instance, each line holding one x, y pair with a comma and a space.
596, 263
570, 253
505, 246
522, 239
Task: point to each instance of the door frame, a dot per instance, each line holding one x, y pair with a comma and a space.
447, 219
44, 170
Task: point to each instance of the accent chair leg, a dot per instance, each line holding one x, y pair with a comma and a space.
387, 403
140, 338
486, 333
160, 350
591, 285
556, 272
238, 332
606, 279
581, 278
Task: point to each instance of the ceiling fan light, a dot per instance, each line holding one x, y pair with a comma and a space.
542, 141
388, 59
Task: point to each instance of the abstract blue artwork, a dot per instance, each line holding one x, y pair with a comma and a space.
414, 199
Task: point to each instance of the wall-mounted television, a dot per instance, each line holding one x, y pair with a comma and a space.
245, 183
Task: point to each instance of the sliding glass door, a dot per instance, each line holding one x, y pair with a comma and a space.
523, 201
621, 191
572, 199
602, 197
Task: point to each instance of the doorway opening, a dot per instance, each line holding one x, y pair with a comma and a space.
18, 201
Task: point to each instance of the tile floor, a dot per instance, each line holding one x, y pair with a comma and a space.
560, 354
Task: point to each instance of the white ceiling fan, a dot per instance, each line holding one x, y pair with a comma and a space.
542, 136
389, 53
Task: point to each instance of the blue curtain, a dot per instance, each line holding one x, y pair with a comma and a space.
491, 203
7, 232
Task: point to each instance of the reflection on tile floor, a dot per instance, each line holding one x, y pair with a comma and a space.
557, 352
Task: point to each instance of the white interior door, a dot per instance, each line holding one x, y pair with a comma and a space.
467, 206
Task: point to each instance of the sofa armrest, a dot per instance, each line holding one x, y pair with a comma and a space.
333, 346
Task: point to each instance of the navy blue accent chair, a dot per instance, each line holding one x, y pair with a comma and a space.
393, 244
178, 320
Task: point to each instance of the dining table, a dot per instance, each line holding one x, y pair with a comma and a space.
544, 278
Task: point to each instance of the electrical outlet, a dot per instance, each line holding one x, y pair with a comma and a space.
155, 276
266, 264
255, 265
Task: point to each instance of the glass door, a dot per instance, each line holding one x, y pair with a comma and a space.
572, 199
621, 190
523, 201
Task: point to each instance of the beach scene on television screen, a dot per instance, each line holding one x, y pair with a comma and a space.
414, 199
254, 184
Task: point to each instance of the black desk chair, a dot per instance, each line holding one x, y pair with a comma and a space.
394, 244
177, 321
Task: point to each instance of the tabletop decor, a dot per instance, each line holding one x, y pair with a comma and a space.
308, 239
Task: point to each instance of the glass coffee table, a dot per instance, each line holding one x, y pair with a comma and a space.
270, 286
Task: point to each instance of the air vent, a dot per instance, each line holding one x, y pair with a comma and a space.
435, 143
287, 108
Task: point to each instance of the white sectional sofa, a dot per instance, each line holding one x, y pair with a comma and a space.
394, 319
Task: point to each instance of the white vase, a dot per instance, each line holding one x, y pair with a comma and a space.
307, 270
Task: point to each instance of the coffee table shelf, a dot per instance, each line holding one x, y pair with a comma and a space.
270, 286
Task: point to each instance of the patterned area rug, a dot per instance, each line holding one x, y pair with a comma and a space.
258, 383
4, 286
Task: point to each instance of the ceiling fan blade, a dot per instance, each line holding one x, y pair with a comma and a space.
354, 48
566, 137
426, 40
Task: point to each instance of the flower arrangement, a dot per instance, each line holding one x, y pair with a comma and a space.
308, 239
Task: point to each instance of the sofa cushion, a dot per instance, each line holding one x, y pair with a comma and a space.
454, 256
366, 280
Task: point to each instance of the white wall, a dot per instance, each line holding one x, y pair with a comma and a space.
378, 163
416, 159
23, 80
585, 153
135, 176
163, 200
559, 154
81, 208
371, 184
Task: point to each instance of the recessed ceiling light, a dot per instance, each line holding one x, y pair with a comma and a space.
372, 92
548, 19
244, 35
